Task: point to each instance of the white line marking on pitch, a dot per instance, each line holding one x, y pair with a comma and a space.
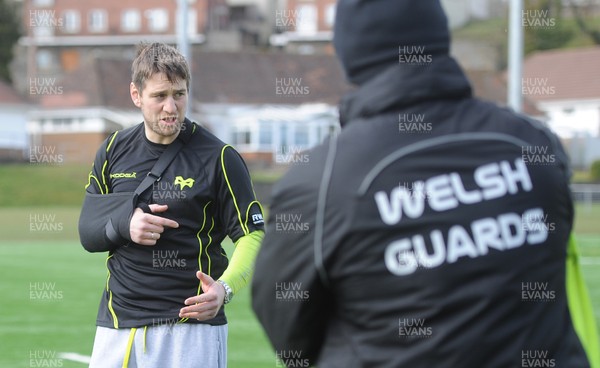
75, 357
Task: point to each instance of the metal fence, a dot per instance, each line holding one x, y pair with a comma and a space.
588, 194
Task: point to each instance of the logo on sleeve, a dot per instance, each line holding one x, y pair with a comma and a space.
129, 175
257, 219
179, 180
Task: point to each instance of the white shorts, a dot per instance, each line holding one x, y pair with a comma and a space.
175, 346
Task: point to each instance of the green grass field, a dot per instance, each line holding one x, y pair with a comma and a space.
50, 256
63, 319
64, 322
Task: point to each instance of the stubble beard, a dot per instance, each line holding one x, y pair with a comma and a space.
167, 130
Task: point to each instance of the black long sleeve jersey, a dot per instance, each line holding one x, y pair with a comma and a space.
209, 193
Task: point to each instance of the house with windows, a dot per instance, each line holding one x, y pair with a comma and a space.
304, 26
59, 35
270, 106
307, 26
272, 134
565, 85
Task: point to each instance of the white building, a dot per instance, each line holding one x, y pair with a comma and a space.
13, 122
273, 132
565, 84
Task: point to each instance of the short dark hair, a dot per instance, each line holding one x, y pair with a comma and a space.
155, 58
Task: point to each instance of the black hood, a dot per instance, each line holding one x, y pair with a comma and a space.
399, 87
371, 35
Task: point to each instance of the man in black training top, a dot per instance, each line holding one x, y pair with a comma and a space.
168, 277
434, 239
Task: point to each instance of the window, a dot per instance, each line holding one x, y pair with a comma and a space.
45, 59
131, 21
241, 133
301, 137
330, 15
158, 20
265, 134
43, 30
98, 21
43, 3
307, 19
192, 23
72, 21
241, 137
283, 136
62, 123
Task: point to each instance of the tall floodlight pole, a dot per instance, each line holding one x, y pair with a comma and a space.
515, 55
183, 43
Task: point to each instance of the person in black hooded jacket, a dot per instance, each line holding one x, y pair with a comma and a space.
432, 231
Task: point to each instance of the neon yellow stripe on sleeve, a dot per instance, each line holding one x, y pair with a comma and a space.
231, 190
92, 176
104, 177
106, 163
111, 141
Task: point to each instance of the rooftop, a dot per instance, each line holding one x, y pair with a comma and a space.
565, 74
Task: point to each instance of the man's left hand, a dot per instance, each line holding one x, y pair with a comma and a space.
206, 305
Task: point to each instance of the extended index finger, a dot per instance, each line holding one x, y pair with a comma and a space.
157, 220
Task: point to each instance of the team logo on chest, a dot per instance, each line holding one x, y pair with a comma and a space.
175, 190
179, 180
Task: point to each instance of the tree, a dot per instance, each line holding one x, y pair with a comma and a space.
9, 35
595, 171
582, 22
544, 28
